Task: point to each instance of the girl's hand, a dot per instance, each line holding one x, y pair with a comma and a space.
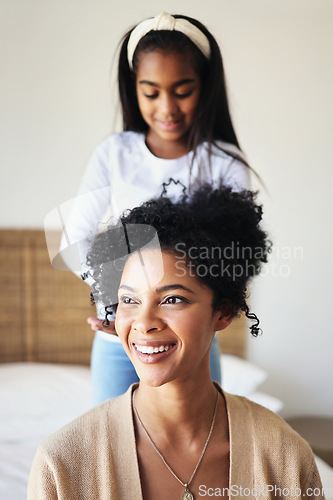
97, 324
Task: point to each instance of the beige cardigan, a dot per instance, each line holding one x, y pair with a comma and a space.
94, 457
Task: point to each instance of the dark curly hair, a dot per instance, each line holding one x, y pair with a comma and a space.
216, 231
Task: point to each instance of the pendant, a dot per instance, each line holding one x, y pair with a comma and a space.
187, 495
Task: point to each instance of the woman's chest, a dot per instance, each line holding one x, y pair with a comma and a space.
159, 481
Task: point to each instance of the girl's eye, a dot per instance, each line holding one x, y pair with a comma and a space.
174, 300
183, 96
177, 95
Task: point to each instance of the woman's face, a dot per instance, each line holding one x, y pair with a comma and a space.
168, 91
165, 318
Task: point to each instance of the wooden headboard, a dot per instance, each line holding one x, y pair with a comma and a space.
44, 310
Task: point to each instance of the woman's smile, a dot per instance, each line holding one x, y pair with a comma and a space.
152, 353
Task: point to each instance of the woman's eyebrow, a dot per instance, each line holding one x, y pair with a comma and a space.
126, 287
176, 84
176, 286
164, 288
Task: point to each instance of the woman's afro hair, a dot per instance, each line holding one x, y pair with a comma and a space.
217, 230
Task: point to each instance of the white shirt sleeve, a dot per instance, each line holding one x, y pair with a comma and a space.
84, 213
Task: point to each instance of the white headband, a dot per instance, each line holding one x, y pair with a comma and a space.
165, 21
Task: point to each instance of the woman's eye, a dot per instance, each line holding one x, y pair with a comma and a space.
174, 300
151, 96
126, 300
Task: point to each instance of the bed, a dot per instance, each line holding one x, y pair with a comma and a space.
45, 348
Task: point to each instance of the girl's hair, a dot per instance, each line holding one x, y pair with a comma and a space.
217, 232
212, 121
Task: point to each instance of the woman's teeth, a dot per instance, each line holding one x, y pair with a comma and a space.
152, 350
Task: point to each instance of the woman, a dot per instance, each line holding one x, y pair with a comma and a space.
176, 434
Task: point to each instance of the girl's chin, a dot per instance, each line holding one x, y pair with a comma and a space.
163, 136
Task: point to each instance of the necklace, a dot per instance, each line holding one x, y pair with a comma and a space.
187, 495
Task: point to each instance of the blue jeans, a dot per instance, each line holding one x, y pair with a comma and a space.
112, 371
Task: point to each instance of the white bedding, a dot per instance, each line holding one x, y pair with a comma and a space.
37, 399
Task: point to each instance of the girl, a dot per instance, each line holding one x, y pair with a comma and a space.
176, 434
176, 124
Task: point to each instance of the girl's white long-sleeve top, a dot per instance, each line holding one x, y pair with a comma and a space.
122, 173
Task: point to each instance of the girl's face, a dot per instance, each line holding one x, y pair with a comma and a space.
168, 92
165, 320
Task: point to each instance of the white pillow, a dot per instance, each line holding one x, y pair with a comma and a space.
240, 376
270, 402
37, 398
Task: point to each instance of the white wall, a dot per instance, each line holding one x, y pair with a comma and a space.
58, 101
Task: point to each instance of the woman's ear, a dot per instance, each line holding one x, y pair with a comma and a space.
224, 317
223, 321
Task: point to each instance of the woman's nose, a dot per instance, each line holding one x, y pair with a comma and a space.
147, 321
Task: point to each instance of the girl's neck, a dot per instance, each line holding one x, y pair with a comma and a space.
166, 149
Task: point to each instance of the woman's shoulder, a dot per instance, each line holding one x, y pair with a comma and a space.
276, 455
90, 425
91, 429
242, 407
82, 459
265, 426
